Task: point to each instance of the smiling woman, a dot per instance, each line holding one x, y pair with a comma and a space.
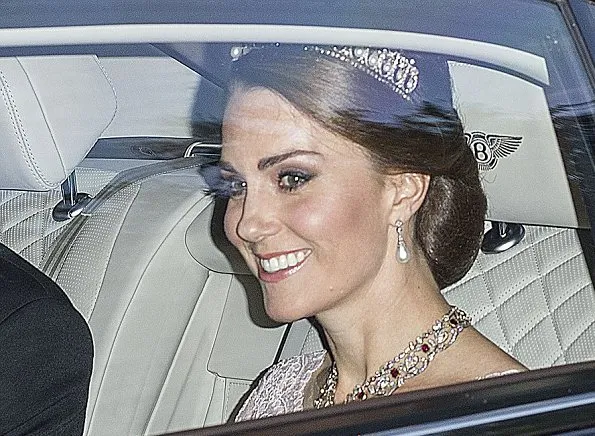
354, 199
314, 199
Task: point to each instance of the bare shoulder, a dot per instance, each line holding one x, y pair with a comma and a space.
485, 359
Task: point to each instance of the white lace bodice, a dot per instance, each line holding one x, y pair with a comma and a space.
281, 389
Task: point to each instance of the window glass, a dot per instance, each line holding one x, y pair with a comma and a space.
584, 14
527, 106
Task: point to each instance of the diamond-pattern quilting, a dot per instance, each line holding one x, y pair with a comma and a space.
578, 309
567, 243
491, 327
26, 224
523, 311
564, 244
538, 302
26, 220
24, 206
539, 347
29, 231
43, 245
483, 304
510, 277
6, 196
38, 250
564, 281
561, 360
582, 349
86, 262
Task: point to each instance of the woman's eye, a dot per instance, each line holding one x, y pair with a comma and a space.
290, 181
222, 184
236, 188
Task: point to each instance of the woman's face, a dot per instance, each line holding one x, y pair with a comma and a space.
306, 209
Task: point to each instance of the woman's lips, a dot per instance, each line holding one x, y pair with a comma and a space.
278, 266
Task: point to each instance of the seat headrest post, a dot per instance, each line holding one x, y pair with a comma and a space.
68, 188
72, 203
501, 237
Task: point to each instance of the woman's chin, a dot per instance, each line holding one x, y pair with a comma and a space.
285, 312
283, 316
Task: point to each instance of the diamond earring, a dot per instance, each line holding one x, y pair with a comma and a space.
402, 253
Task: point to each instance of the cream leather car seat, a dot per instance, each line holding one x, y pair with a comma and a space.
139, 261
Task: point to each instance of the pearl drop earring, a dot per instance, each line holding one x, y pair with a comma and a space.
402, 253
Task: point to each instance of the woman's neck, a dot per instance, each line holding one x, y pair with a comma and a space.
366, 332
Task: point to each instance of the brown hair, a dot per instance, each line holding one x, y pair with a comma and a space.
424, 135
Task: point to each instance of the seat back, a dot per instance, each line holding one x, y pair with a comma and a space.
536, 301
162, 315
162, 309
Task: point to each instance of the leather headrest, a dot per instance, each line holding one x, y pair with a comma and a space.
53, 111
510, 130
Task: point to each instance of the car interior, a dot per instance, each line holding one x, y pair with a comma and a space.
101, 188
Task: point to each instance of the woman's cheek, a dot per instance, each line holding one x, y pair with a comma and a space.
315, 217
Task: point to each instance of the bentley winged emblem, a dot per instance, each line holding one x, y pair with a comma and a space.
488, 148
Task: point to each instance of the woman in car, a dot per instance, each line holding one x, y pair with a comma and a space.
354, 199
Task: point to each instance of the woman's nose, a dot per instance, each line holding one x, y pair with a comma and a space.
258, 219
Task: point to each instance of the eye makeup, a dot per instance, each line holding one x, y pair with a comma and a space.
222, 181
292, 179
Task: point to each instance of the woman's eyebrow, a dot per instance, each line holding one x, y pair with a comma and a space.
267, 162
226, 166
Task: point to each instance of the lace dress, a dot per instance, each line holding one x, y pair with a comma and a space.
283, 387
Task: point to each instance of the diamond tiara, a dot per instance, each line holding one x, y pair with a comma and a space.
387, 66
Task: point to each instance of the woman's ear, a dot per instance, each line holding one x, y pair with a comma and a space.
408, 193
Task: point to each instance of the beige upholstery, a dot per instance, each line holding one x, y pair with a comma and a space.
174, 340
26, 223
159, 314
53, 110
162, 322
489, 101
536, 300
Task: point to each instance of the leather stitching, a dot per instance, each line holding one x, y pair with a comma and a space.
20, 133
111, 84
45, 119
550, 310
580, 335
539, 277
25, 214
524, 335
8, 199
547, 297
549, 314
482, 273
537, 242
495, 309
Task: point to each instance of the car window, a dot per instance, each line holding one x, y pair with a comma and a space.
522, 80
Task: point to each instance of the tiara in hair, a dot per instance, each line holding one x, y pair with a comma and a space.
387, 66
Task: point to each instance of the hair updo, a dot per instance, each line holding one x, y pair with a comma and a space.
423, 135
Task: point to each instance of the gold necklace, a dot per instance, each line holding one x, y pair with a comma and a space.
411, 362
